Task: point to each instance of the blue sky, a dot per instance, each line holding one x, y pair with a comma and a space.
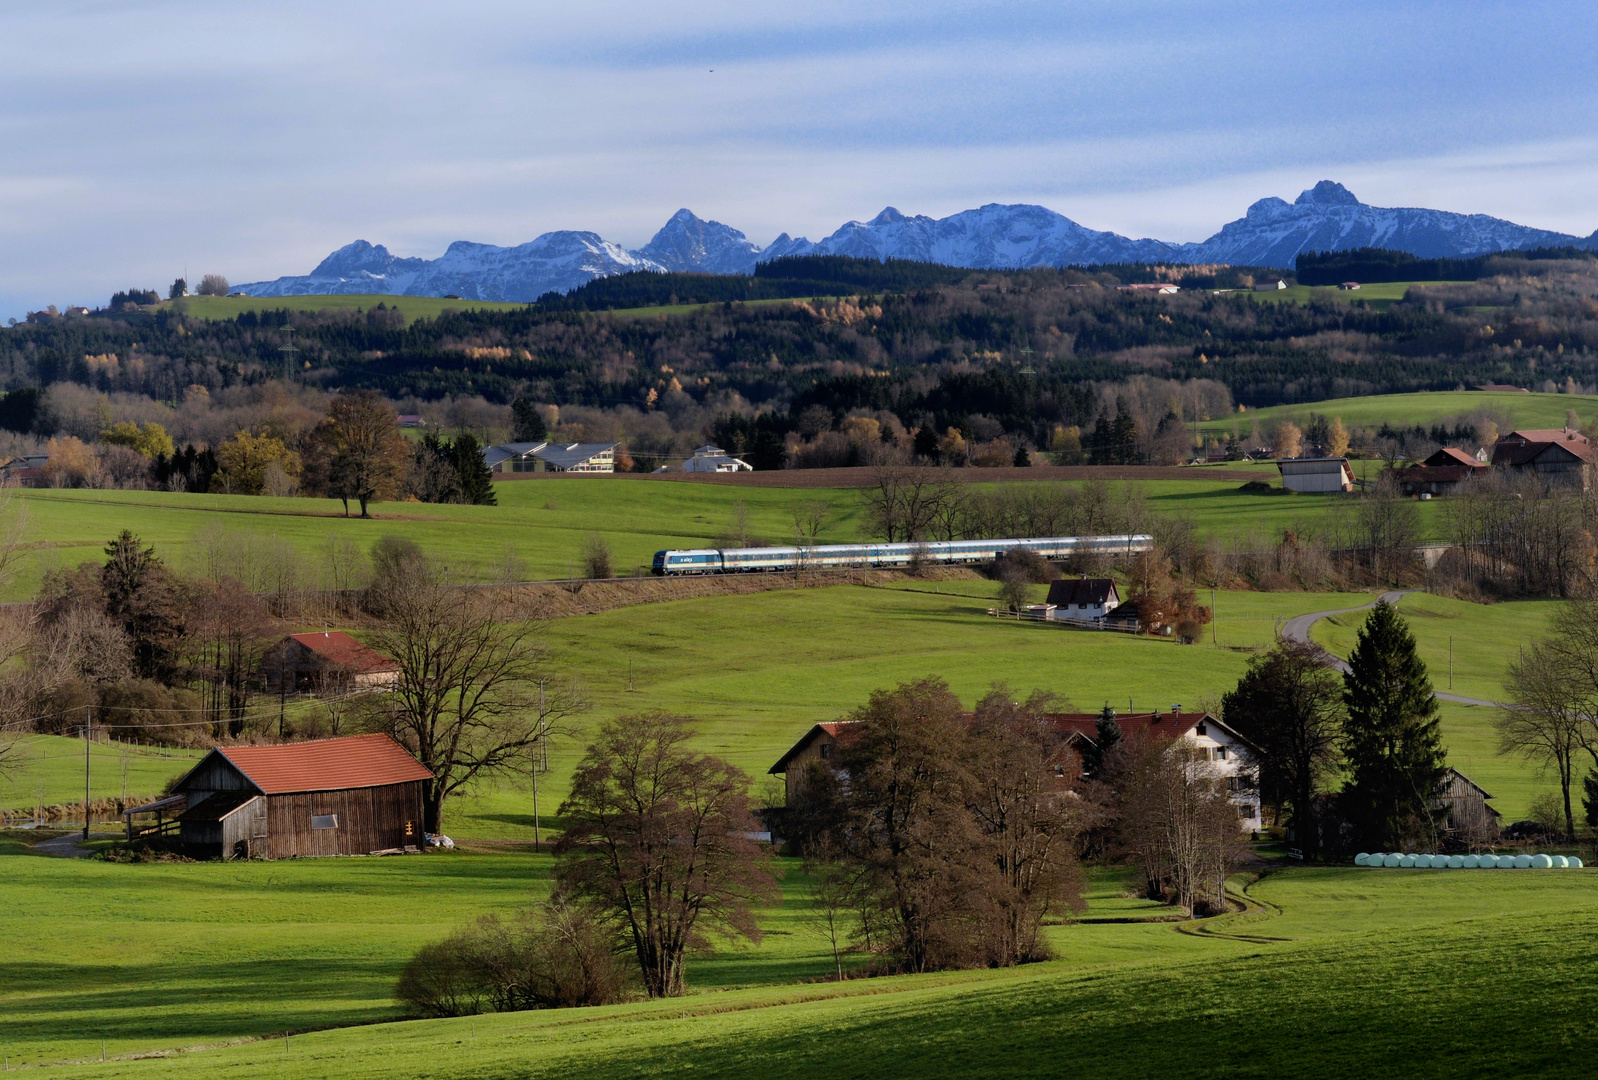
140, 139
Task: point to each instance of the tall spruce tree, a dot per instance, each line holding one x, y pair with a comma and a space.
527, 422
1106, 736
476, 480
1392, 740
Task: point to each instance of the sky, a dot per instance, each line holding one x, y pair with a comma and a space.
143, 141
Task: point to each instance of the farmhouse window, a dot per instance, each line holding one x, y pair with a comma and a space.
826, 751
1220, 753
1201, 728
324, 821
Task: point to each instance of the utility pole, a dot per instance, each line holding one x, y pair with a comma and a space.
1450, 661
1214, 630
88, 722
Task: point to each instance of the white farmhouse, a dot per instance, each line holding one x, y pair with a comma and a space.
1083, 599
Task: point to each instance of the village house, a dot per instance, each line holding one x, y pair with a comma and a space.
1562, 457
1230, 754
1083, 599
357, 795
1316, 475
327, 662
1444, 473
543, 457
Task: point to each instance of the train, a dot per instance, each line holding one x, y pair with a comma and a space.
840, 556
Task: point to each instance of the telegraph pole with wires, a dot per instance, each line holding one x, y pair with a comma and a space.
88, 724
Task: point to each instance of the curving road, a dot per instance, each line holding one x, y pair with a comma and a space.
1297, 629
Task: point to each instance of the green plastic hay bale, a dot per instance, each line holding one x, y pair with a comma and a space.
1394, 859
1541, 862
1456, 862
1439, 862
1574, 863
1360, 859
1506, 862
1469, 862
1522, 862
1407, 862
1560, 863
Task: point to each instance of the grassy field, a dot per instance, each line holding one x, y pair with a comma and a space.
540, 526
50, 772
1379, 295
1407, 410
1336, 971
412, 307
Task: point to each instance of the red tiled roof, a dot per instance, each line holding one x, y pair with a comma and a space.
355, 761
1521, 447
1453, 456
337, 647
1165, 724
1434, 474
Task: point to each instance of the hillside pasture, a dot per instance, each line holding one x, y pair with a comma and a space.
540, 526
1529, 410
215, 308
221, 959
49, 772
1379, 295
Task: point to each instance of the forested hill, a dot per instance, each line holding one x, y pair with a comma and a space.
1044, 334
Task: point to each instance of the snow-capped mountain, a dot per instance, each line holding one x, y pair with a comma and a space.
688, 244
992, 237
1327, 217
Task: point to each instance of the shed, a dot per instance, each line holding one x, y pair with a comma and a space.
1316, 474
1270, 286
1470, 820
1559, 456
349, 796
327, 661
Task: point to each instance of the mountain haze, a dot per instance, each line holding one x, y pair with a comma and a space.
1326, 217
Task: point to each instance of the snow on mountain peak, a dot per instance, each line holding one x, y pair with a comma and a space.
1327, 193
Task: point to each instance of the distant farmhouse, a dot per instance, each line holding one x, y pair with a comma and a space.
713, 459
1083, 599
1446, 472
1231, 755
1560, 457
326, 662
352, 796
1269, 286
1316, 474
543, 457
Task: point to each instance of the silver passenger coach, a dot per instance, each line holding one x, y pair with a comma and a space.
838, 556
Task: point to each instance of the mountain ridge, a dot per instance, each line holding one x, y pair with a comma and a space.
1272, 232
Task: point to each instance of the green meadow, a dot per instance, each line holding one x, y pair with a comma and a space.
540, 526
50, 772
200, 969
1379, 295
412, 307
1426, 408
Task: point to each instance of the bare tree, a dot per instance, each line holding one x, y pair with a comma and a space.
1551, 721
1177, 820
809, 516
903, 501
477, 692
659, 837
596, 558
213, 285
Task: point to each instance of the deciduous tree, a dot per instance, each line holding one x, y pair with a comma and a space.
357, 452
658, 837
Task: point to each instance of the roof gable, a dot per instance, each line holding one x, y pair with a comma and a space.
834, 728
337, 647
1094, 591
354, 761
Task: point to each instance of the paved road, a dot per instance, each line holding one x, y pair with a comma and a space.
1297, 629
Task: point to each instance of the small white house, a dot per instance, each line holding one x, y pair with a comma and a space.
1313, 475
713, 459
1083, 599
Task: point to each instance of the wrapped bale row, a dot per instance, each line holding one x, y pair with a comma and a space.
1468, 862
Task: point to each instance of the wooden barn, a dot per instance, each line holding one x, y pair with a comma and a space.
350, 796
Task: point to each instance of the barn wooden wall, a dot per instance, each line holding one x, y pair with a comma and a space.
369, 819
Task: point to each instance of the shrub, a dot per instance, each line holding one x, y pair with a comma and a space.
1025, 565
1189, 630
596, 558
440, 979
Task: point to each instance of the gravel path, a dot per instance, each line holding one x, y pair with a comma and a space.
1298, 629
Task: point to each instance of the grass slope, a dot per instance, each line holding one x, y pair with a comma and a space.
541, 525
1341, 972
49, 772
1379, 295
1426, 408
412, 307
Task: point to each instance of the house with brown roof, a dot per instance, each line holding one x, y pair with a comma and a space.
1230, 754
1083, 599
327, 662
1444, 473
1562, 457
357, 795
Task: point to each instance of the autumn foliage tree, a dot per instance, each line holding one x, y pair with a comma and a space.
357, 452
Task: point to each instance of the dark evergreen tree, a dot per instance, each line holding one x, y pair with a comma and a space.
1589, 798
1023, 460
476, 481
141, 595
179, 288
1392, 739
926, 443
527, 422
1106, 736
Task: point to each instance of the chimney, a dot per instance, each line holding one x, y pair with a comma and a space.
1176, 708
